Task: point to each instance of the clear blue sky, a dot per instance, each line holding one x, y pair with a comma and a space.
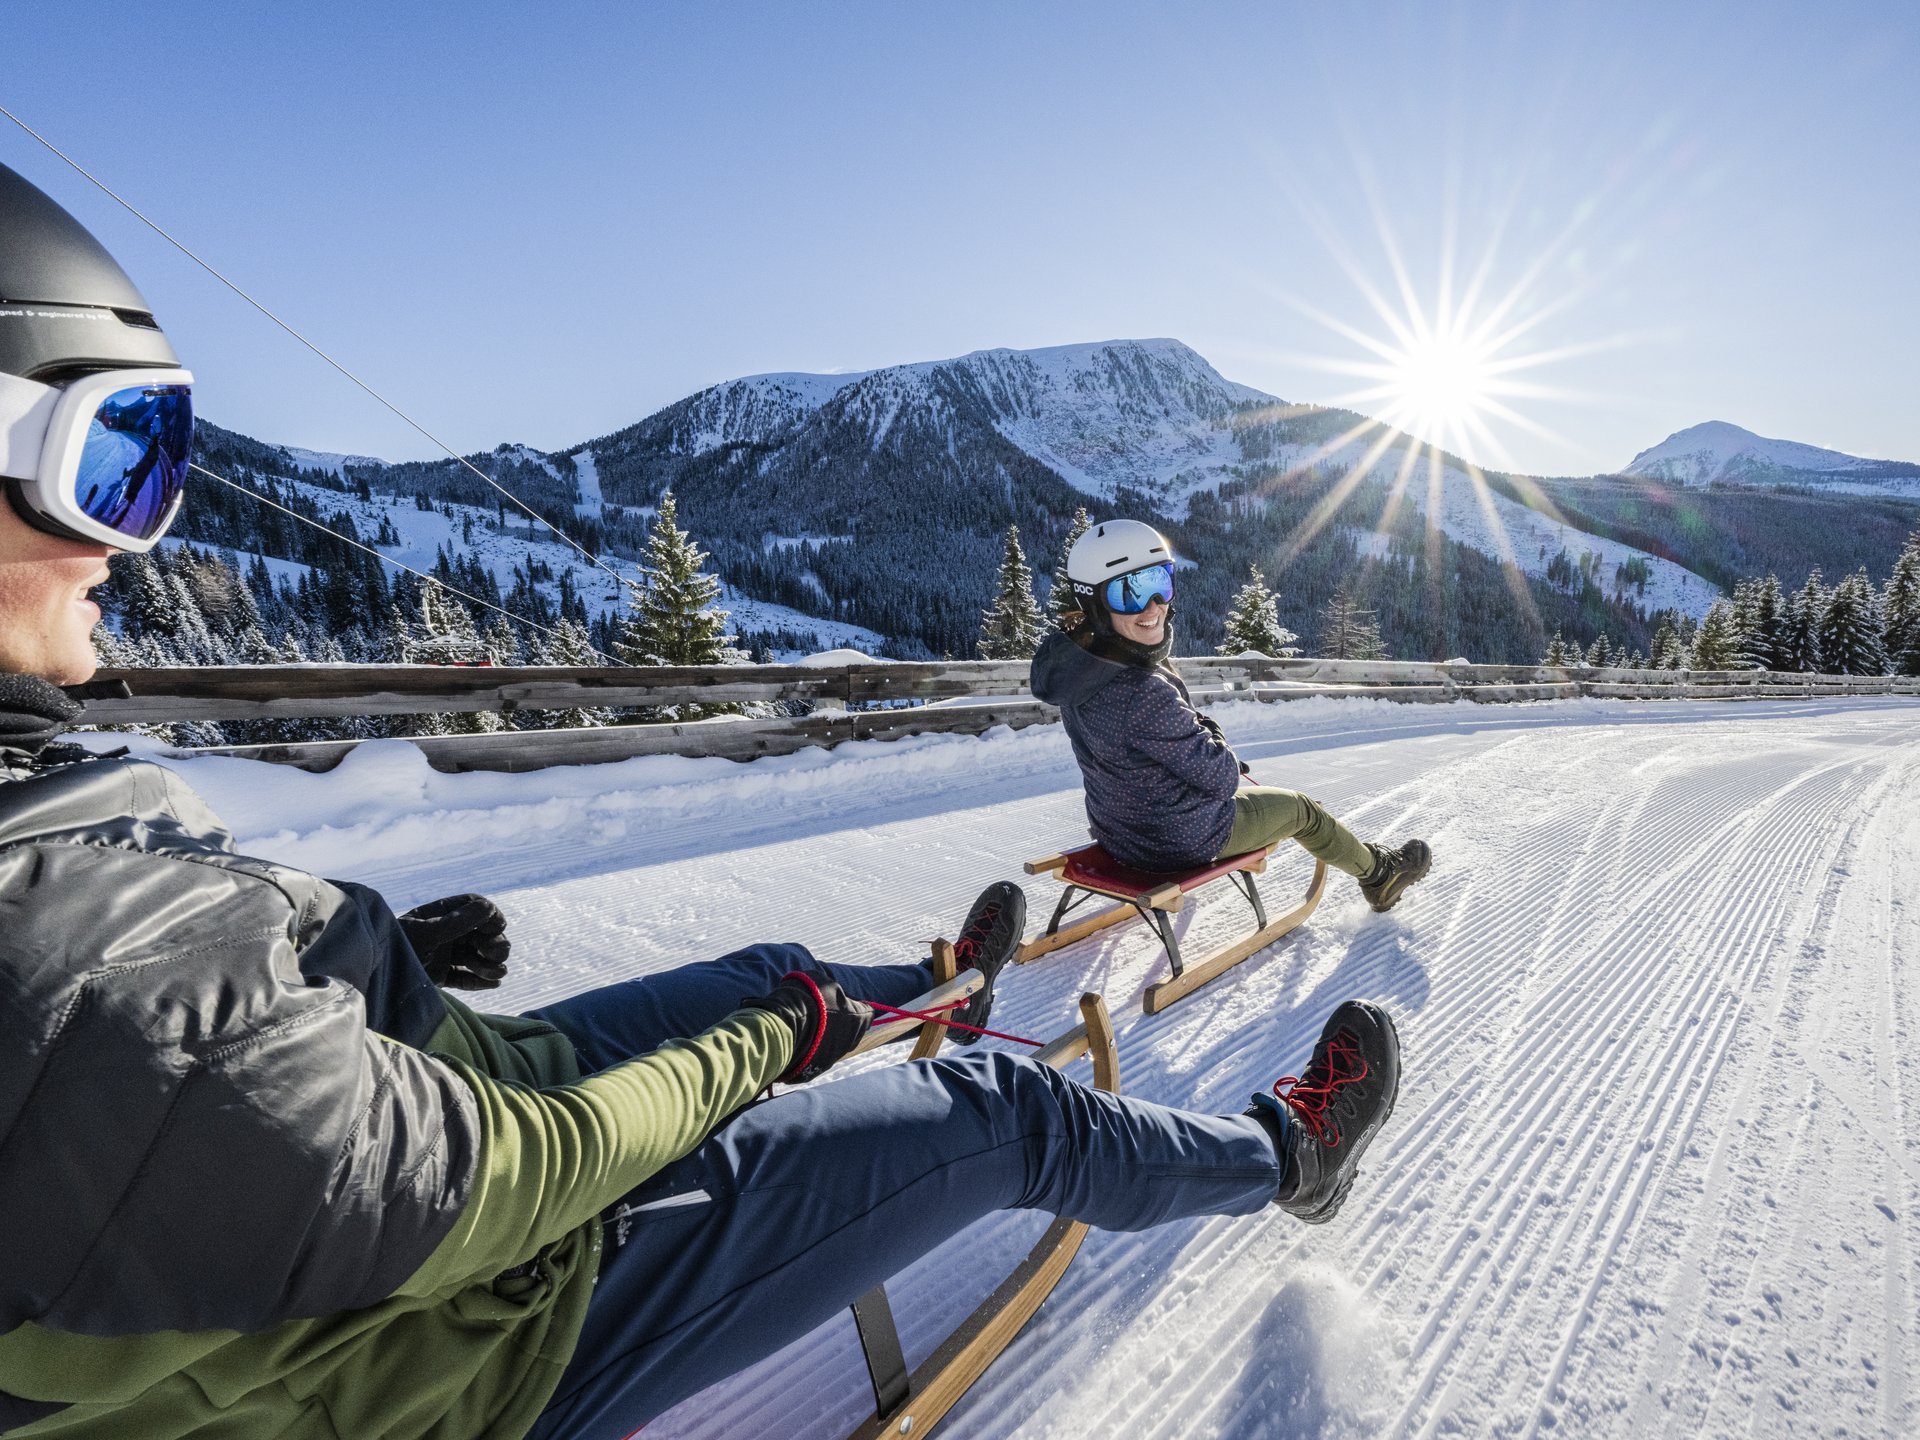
541, 222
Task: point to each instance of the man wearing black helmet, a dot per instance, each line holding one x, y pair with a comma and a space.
263, 1176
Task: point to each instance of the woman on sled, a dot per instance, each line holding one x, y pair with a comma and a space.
1165, 792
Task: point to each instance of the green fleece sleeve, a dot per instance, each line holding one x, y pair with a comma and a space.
550, 1160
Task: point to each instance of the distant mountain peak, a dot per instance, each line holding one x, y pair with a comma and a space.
1719, 452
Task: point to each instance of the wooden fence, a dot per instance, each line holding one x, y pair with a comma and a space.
875, 700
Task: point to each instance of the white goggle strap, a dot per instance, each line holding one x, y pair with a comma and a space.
26, 408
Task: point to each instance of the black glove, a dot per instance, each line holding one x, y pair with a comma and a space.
1211, 726
462, 940
825, 1023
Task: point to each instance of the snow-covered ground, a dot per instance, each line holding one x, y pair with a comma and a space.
1655, 1168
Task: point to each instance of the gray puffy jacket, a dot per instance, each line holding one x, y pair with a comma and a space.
168, 1008
1159, 778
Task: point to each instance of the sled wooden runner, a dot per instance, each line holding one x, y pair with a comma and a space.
913, 1404
1155, 897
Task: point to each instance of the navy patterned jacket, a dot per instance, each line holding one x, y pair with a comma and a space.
1159, 777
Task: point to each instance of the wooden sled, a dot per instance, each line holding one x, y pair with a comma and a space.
1154, 897
913, 1404
948, 987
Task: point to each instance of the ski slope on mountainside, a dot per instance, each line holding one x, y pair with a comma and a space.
1656, 1162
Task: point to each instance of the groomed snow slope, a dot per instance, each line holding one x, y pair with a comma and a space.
1656, 1162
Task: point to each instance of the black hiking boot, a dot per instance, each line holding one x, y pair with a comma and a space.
1394, 870
1322, 1120
987, 941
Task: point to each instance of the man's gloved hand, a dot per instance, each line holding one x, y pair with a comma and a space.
462, 940
1210, 725
826, 1024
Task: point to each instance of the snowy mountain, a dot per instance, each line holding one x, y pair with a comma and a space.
879, 499
1148, 414
1723, 454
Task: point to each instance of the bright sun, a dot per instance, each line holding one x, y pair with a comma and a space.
1440, 386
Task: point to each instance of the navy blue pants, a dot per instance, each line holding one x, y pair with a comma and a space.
799, 1205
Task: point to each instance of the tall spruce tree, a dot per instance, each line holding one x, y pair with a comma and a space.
1717, 645
1253, 622
1801, 645
1010, 628
1666, 644
1852, 640
1060, 601
1766, 636
671, 618
1901, 605
1556, 651
1600, 653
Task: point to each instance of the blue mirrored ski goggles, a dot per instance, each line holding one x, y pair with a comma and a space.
103, 457
1131, 593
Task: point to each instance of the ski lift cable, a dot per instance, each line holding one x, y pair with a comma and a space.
108, 190
387, 559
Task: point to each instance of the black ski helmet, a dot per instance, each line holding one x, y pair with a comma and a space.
66, 306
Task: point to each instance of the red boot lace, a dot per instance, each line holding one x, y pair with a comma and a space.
1309, 1096
968, 945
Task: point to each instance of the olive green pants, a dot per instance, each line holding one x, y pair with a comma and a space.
1263, 815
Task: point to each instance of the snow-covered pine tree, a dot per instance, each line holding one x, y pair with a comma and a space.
1766, 633
1666, 636
1010, 627
1253, 622
1556, 651
567, 644
1907, 662
1900, 603
445, 634
1851, 635
1717, 645
1600, 653
1060, 599
1801, 645
671, 618
502, 642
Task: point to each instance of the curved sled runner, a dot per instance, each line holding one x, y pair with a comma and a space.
1154, 896
913, 1404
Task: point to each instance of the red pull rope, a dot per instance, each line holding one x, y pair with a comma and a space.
934, 1019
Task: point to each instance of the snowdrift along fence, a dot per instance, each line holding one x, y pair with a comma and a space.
876, 700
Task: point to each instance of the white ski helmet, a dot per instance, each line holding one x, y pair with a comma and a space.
1110, 549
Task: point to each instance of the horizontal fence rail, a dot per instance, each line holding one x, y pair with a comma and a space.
873, 700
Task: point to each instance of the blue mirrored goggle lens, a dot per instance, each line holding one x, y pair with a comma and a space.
133, 464
1131, 593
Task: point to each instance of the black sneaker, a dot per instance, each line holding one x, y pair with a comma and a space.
987, 941
1324, 1119
1393, 871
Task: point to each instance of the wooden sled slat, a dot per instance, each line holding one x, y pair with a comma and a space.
1154, 897
945, 967
960, 987
963, 1357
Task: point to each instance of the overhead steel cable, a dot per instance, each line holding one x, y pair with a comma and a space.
157, 229
387, 559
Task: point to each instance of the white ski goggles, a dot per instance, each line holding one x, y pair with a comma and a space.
103, 457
